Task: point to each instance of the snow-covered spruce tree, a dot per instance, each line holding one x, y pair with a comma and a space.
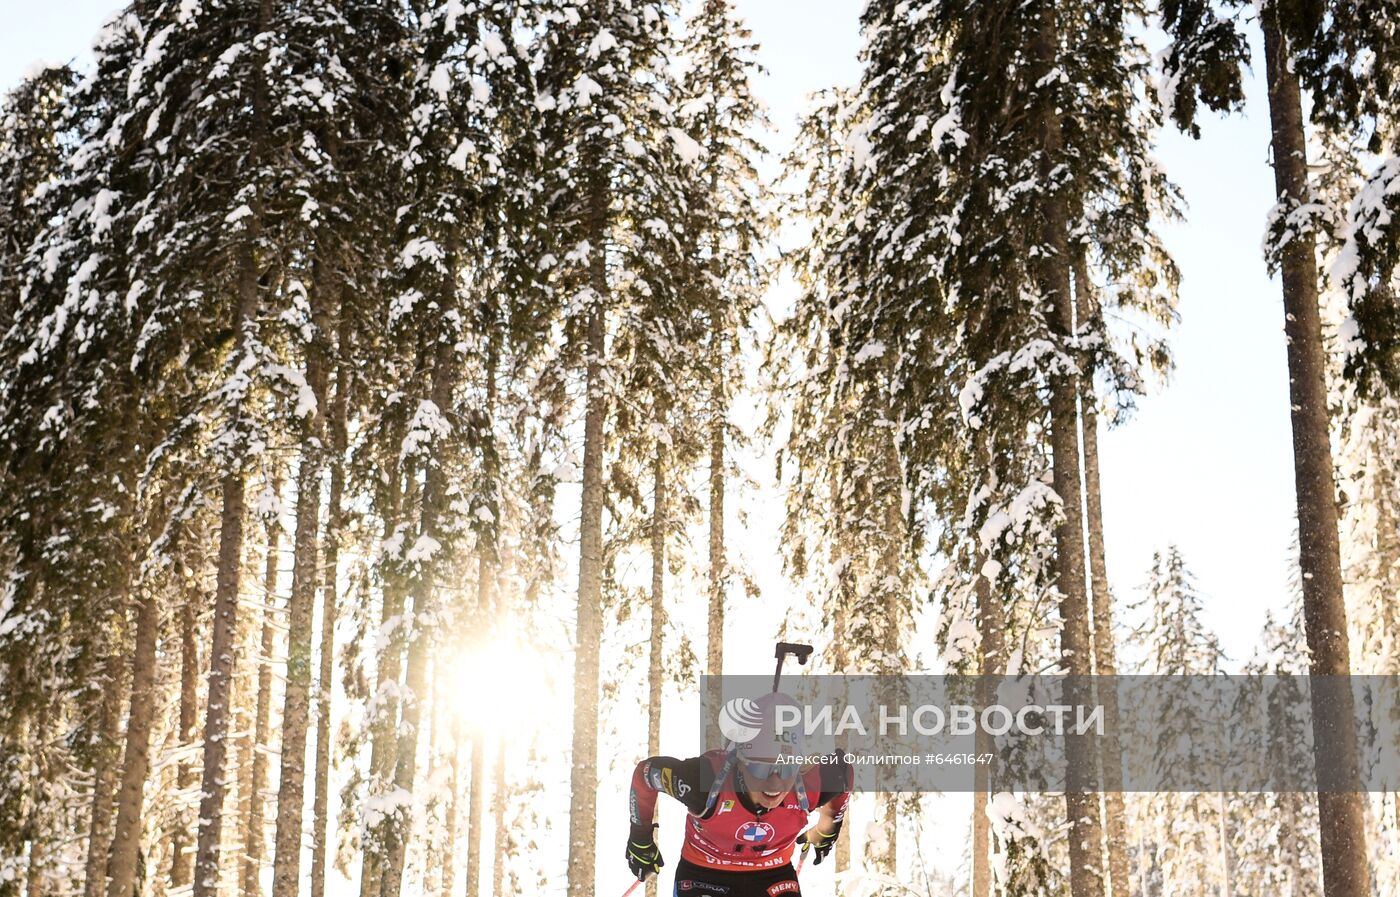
1172, 640
31, 155
472, 103
719, 110
608, 101
962, 131
208, 87
68, 366
1205, 58
847, 513
1346, 59
339, 91
1275, 832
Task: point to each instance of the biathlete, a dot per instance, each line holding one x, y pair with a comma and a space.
748, 812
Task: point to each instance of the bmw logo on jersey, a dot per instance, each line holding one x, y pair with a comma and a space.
754, 833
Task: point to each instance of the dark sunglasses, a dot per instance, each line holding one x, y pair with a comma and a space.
767, 770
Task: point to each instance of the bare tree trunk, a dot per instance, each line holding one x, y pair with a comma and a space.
384, 717
1340, 807
498, 814
718, 574
583, 808
325, 686
1076, 648
658, 612
126, 841
1105, 651
991, 622
296, 708
223, 650
254, 833
454, 785
1226, 889
36, 884
476, 797
181, 860
841, 665
104, 784
420, 642
475, 811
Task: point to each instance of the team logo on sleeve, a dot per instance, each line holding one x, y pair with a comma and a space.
754, 832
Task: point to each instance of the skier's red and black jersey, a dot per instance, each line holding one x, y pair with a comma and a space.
734, 834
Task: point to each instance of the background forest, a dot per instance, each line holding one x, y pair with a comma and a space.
376, 380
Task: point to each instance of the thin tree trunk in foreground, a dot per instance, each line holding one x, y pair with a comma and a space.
991, 623
335, 523
454, 785
254, 835
384, 716
476, 797
126, 840
223, 650
420, 643
181, 860
583, 781
1340, 807
498, 815
658, 612
1076, 648
104, 784
714, 657
1105, 651
306, 576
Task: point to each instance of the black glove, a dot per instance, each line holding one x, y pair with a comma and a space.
820, 843
643, 856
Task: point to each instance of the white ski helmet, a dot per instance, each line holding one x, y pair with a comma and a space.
758, 730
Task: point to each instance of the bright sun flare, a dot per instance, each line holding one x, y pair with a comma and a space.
504, 690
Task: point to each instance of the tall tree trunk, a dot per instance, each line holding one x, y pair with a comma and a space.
223, 650
1226, 887
658, 612
583, 809
420, 642
126, 840
489, 612
991, 623
1340, 806
840, 661
1076, 649
384, 717
718, 575
254, 834
454, 785
475, 811
1105, 651
35, 880
498, 815
181, 860
306, 576
325, 685
104, 783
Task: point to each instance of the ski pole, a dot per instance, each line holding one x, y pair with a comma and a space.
635, 885
801, 858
